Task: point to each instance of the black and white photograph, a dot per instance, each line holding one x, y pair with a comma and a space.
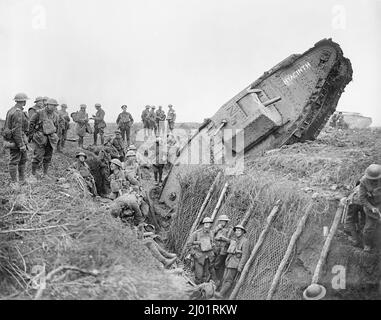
195, 156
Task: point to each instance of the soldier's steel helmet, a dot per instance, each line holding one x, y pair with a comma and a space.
170, 106
21, 97
38, 99
52, 102
373, 172
124, 106
223, 217
116, 162
130, 154
207, 220
83, 106
147, 107
132, 147
81, 154
117, 131
97, 105
240, 226
64, 105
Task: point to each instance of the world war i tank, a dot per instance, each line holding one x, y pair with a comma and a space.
290, 103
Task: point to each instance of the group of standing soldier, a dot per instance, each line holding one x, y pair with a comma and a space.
154, 121
42, 125
219, 254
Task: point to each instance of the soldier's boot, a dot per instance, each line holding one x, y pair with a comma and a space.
166, 262
170, 262
21, 170
224, 289
45, 167
102, 139
354, 238
95, 138
13, 173
167, 254
35, 176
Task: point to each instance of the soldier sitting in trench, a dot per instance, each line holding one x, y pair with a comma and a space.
120, 181
146, 232
132, 166
83, 169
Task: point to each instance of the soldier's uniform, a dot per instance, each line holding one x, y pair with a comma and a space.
99, 124
160, 120
118, 145
334, 120
355, 219
125, 122
370, 198
201, 244
106, 154
43, 129
83, 126
152, 120
39, 104
120, 183
131, 165
222, 236
171, 118
84, 171
127, 201
159, 162
145, 120
15, 129
65, 126
238, 254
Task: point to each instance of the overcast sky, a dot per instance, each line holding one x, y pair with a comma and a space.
194, 54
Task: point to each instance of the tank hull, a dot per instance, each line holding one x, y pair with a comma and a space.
290, 103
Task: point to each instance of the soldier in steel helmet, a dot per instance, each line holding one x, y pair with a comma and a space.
14, 132
99, 123
201, 244
65, 126
43, 129
370, 198
238, 254
38, 105
131, 165
120, 181
84, 170
124, 123
222, 234
82, 119
145, 120
117, 142
171, 117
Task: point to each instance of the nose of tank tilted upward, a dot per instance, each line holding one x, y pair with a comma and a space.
289, 103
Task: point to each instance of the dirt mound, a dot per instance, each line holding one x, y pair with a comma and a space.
50, 233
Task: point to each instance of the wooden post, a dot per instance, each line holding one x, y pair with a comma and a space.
199, 214
220, 199
327, 244
287, 255
257, 246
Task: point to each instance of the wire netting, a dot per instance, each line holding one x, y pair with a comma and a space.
194, 188
260, 195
